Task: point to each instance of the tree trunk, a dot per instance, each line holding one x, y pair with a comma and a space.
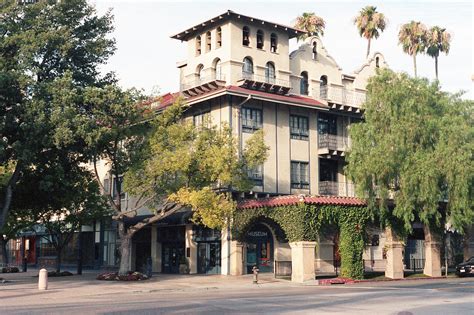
3, 251
436, 67
7, 197
58, 259
125, 255
414, 64
125, 249
368, 48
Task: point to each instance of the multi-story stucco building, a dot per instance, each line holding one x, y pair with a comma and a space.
239, 71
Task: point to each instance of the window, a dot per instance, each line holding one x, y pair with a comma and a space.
256, 175
251, 119
202, 119
315, 50
208, 41
245, 36
273, 42
300, 175
118, 184
323, 87
304, 85
247, 68
270, 73
299, 127
327, 124
218, 69
198, 45
219, 37
327, 170
199, 71
260, 39
377, 62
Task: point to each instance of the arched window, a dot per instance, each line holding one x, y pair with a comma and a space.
323, 87
247, 68
315, 50
199, 71
270, 73
273, 42
219, 37
208, 41
304, 83
377, 62
218, 69
260, 39
198, 45
246, 36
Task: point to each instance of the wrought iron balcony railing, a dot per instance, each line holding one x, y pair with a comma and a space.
333, 142
342, 189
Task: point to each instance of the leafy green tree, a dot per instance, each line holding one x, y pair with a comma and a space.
437, 40
170, 163
370, 24
412, 37
49, 52
312, 24
414, 147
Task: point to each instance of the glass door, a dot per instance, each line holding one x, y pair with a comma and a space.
209, 257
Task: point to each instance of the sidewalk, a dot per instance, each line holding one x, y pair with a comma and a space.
25, 284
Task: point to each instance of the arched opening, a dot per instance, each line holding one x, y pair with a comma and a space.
259, 243
218, 69
247, 68
270, 73
199, 71
315, 50
246, 36
198, 45
208, 41
323, 87
304, 84
273, 42
260, 39
219, 37
377, 62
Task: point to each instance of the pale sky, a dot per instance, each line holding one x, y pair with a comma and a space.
146, 56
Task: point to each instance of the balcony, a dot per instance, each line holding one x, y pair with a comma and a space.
264, 83
198, 86
341, 189
341, 98
332, 145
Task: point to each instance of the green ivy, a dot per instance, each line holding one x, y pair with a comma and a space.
303, 222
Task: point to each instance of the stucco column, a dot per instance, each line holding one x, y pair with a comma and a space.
432, 253
155, 250
302, 261
236, 258
192, 259
394, 266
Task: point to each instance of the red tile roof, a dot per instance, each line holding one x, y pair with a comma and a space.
168, 99
296, 199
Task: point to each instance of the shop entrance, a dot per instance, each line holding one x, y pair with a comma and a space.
209, 257
173, 244
259, 248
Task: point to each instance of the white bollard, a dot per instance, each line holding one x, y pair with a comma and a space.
43, 280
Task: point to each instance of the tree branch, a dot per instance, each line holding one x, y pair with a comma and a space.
165, 212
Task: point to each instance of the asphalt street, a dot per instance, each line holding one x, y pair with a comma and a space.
450, 296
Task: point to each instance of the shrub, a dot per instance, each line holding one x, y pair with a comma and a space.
114, 276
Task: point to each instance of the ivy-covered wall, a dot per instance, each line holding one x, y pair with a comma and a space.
303, 222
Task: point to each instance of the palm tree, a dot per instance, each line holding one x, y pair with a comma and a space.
438, 40
311, 23
370, 24
412, 37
